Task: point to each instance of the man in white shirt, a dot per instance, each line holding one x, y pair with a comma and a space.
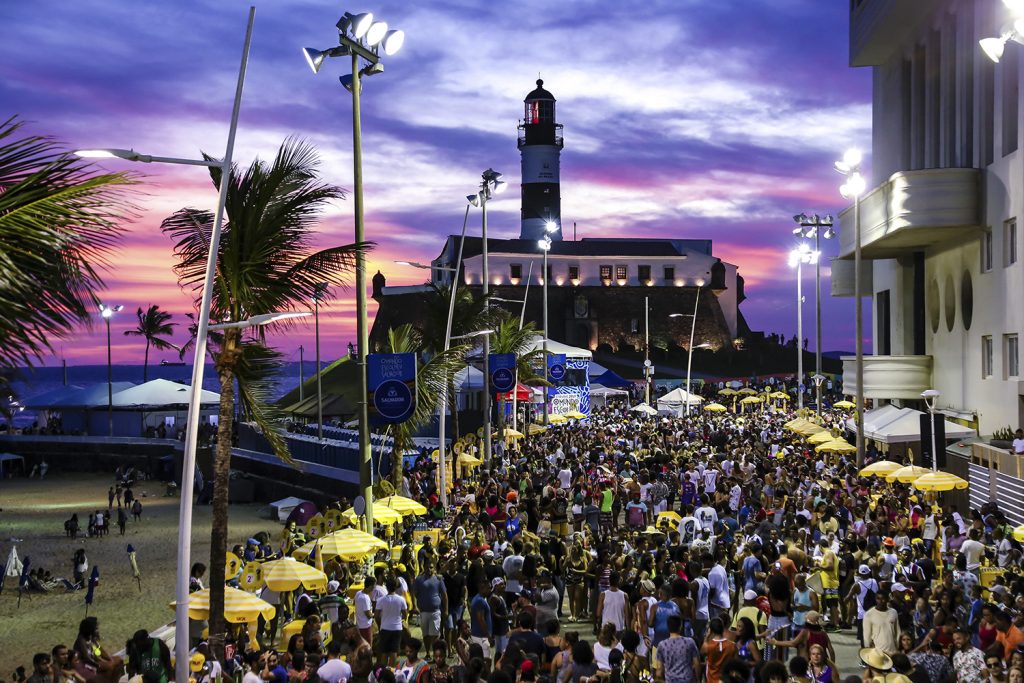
391, 611
364, 609
1018, 442
565, 477
513, 568
710, 480
334, 670
973, 550
706, 515
719, 601
1003, 547
880, 623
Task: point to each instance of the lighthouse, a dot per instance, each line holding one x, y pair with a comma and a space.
540, 144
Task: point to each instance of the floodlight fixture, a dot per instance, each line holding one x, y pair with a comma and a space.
393, 41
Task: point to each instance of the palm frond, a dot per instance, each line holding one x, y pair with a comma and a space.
59, 222
254, 373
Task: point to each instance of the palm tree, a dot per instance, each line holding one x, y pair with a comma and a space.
430, 379
58, 224
265, 264
510, 337
153, 324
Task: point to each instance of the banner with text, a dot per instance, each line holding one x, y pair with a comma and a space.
556, 367
503, 372
391, 379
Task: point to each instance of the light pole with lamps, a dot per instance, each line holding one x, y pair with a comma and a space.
689, 354
817, 227
181, 625
442, 445
360, 38
854, 186
647, 351
490, 185
797, 258
545, 243
930, 397
107, 312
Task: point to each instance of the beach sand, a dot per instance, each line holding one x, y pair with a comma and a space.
34, 512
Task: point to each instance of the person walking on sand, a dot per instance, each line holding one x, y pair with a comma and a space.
137, 510
122, 519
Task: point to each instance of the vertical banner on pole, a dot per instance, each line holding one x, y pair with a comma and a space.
503, 372
556, 367
391, 380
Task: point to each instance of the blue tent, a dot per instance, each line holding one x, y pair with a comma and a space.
611, 379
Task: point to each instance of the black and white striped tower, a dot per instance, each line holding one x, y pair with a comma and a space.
540, 144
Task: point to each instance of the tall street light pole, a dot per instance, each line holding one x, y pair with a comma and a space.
689, 354
798, 257
181, 625
108, 312
545, 243
852, 189
360, 38
490, 185
647, 351
817, 227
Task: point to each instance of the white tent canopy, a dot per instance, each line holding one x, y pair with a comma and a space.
605, 392
284, 507
469, 379
161, 393
890, 424
559, 348
644, 408
678, 397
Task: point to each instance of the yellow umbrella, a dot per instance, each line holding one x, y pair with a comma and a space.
907, 474
407, 506
348, 544
287, 574
1018, 533
844, 405
727, 392
557, 419
810, 429
836, 446
795, 424
715, 408
880, 468
380, 515
779, 394
239, 607
467, 459
510, 433
939, 481
824, 436
576, 415
747, 390
535, 429
750, 400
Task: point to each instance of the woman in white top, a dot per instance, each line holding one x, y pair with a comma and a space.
606, 642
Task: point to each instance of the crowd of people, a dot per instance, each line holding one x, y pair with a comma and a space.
628, 549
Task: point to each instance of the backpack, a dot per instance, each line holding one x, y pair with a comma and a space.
869, 599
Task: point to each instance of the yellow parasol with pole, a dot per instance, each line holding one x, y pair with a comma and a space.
287, 574
575, 415
907, 474
401, 504
239, 607
747, 391
557, 419
939, 481
824, 436
727, 392
836, 446
348, 544
880, 468
844, 405
715, 408
380, 515
810, 429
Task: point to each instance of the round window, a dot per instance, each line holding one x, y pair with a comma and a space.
933, 305
966, 299
949, 303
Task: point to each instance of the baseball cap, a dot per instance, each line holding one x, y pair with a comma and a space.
333, 586
497, 581
864, 570
899, 588
749, 595
196, 662
489, 554
888, 541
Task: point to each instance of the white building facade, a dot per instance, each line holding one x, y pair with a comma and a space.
940, 222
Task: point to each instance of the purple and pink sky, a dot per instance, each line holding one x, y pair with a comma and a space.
711, 119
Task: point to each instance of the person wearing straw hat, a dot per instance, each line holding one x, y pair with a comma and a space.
876, 663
